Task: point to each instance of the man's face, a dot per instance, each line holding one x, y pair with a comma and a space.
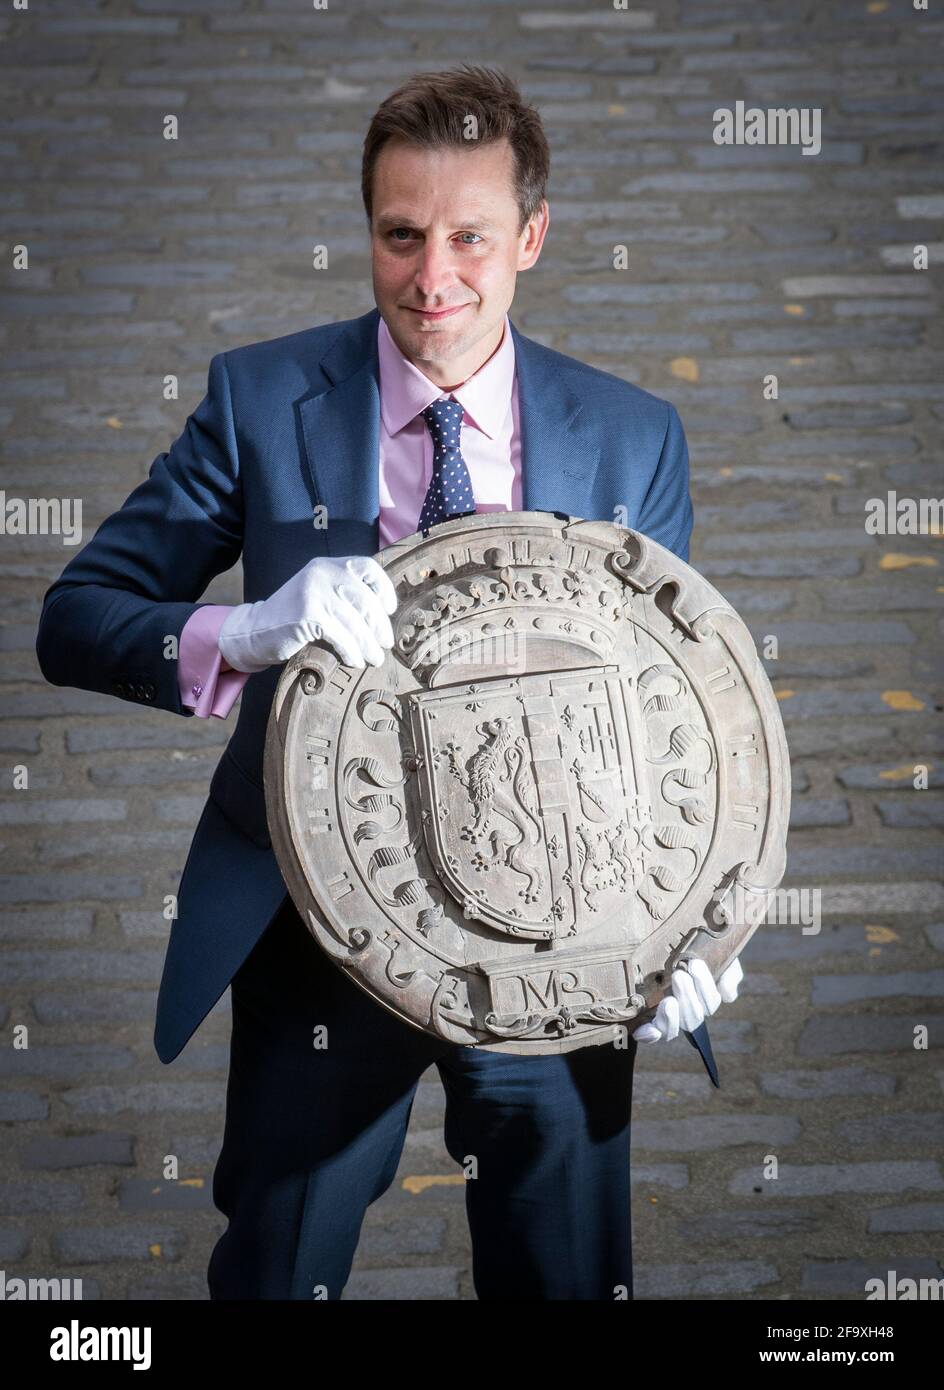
444, 237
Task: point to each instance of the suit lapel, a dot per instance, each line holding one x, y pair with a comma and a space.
559, 453
341, 431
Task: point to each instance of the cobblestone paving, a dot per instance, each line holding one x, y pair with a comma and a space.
146, 257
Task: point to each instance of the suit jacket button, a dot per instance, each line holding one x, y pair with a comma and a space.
119, 689
139, 692
149, 691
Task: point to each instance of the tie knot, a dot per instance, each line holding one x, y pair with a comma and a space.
444, 419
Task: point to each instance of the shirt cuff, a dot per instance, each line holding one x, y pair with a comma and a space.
204, 688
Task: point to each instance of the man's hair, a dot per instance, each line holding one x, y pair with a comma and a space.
431, 109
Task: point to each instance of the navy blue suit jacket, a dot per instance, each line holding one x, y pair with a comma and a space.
286, 425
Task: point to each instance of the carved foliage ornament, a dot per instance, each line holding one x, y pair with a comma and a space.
569, 767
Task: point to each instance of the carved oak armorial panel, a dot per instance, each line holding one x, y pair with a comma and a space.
512, 831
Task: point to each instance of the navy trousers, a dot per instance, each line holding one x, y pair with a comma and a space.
313, 1135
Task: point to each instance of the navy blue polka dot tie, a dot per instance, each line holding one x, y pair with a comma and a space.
450, 488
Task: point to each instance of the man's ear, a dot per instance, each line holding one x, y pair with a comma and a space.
533, 237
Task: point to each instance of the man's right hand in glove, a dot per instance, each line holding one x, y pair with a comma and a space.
345, 602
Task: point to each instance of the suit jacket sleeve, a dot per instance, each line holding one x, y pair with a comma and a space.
112, 620
666, 513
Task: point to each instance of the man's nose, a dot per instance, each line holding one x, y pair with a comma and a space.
434, 271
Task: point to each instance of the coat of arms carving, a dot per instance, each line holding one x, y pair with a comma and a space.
510, 832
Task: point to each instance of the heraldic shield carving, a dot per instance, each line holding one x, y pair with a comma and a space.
569, 774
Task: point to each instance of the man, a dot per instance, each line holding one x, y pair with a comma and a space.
431, 405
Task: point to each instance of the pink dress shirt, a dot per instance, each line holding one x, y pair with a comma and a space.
491, 447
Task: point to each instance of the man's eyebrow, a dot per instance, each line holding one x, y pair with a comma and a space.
473, 224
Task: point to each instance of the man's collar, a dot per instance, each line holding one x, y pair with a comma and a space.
405, 391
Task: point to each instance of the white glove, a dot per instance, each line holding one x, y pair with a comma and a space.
344, 602
694, 996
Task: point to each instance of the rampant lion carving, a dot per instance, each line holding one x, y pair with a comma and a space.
489, 800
